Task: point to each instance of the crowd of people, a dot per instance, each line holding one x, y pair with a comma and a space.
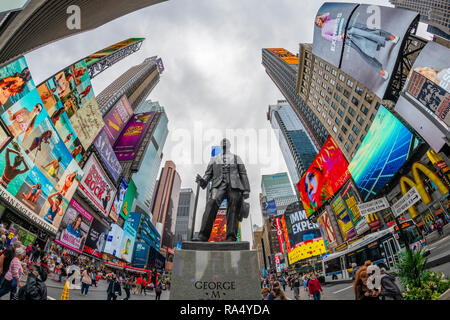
273, 287
35, 264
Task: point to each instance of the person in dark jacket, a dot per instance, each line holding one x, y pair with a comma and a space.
389, 290
113, 288
35, 288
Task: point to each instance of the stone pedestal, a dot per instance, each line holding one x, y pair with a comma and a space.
215, 271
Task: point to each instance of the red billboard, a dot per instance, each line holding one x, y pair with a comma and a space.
279, 233
327, 173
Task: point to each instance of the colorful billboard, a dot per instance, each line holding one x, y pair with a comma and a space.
327, 173
118, 200
96, 239
91, 59
97, 187
384, 150
344, 220
303, 238
219, 229
69, 99
107, 155
35, 165
358, 221
288, 57
129, 236
363, 40
269, 208
131, 137
114, 241
327, 230
117, 118
128, 199
74, 227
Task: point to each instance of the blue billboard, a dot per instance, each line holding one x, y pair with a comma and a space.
140, 254
384, 150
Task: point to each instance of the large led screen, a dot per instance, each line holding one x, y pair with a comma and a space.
327, 173
384, 150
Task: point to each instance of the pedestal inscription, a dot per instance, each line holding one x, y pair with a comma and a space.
215, 275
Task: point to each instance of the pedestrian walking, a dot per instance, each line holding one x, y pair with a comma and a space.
274, 291
278, 293
11, 280
143, 286
439, 228
283, 283
113, 288
305, 282
6, 258
94, 278
86, 281
389, 289
296, 284
354, 269
35, 288
138, 285
158, 291
315, 288
127, 287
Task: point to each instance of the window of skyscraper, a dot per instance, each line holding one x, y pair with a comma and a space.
351, 111
341, 112
342, 77
355, 101
360, 120
351, 138
339, 87
348, 121
341, 139
343, 103
350, 83
346, 93
333, 72
355, 129
338, 122
333, 105
359, 90
344, 129
369, 98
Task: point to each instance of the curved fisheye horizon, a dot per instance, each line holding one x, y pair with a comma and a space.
112, 122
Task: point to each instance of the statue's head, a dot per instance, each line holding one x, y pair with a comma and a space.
225, 144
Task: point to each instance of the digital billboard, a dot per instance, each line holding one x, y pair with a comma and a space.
358, 221
107, 154
327, 229
288, 57
326, 174
114, 241
96, 239
128, 200
219, 229
128, 239
69, 99
269, 208
384, 150
118, 200
91, 59
140, 254
35, 165
363, 40
117, 118
74, 227
97, 187
132, 135
344, 220
303, 238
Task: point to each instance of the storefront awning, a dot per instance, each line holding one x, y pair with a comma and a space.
114, 265
137, 270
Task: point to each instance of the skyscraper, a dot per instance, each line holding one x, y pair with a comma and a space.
166, 204
281, 66
296, 146
278, 187
44, 21
345, 107
433, 12
136, 84
185, 214
145, 179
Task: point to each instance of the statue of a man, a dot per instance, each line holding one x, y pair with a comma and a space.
229, 181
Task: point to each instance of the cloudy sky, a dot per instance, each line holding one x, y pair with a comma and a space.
213, 77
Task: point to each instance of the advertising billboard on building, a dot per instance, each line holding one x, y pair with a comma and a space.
70, 101
35, 165
219, 228
118, 200
128, 239
344, 220
363, 40
288, 57
107, 155
140, 254
91, 59
74, 227
128, 200
97, 187
96, 239
384, 150
117, 118
327, 230
132, 135
269, 208
327, 173
303, 238
358, 221
114, 241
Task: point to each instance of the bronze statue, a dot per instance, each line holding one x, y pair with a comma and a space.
229, 181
